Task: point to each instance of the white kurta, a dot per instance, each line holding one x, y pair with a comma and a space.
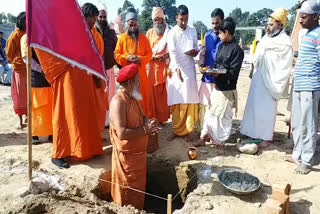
272, 62
179, 92
261, 110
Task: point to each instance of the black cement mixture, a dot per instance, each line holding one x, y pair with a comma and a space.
239, 181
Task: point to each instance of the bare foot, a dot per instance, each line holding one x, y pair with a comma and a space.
213, 142
187, 138
290, 159
171, 136
264, 144
303, 169
220, 146
200, 142
21, 126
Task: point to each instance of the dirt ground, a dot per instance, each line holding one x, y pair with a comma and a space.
76, 190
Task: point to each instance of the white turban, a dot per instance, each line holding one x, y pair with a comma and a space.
310, 7
157, 12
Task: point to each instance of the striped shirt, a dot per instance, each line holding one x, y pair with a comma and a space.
307, 70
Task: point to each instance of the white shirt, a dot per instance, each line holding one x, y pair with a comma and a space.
180, 41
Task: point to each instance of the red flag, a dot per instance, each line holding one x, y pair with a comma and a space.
58, 27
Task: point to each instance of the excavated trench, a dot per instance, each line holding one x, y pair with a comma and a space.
165, 178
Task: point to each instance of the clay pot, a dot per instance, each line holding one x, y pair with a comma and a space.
192, 153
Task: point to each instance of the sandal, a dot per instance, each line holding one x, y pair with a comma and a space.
35, 140
60, 162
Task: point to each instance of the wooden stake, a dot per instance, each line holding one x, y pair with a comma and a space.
29, 138
169, 204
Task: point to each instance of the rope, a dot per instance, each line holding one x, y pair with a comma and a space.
165, 199
156, 196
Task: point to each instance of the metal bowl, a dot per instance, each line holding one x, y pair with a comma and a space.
238, 191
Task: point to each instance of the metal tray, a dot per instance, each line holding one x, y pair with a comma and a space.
215, 70
236, 191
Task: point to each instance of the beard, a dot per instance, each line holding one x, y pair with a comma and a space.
274, 32
102, 25
159, 28
135, 93
133, 34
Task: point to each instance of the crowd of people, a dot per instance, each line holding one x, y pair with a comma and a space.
157, 77
5, 66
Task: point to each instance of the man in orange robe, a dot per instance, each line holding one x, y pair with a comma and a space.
102, 95
41, 96
19, 75
129, 130
102, 104
159, 64
76, 122
134, 47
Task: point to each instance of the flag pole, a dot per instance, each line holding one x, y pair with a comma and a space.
29, 138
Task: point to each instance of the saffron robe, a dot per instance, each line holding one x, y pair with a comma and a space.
76, 130
157, 77
19, 74
41, 99
129, 158
126, 46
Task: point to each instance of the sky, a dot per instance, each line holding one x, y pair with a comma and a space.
199, 10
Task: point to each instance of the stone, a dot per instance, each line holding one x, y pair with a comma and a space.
41, 184
257, 205
249, 149
203, 151
93, 197
23, 192
33, 188
208, 205
136, 211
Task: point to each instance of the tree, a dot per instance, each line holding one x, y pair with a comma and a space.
290, 24
198, 25
259, 18
123, 11
239, 17
11, 18
168, 6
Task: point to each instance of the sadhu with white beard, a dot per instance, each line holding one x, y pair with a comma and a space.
272, 66
129, 130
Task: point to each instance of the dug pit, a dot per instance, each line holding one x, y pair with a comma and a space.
165, 177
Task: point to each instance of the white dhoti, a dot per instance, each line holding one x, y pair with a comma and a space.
261, 109
204, 95
218, 117
218, 126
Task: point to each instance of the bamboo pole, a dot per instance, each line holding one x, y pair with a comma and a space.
169, 204
29, 138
